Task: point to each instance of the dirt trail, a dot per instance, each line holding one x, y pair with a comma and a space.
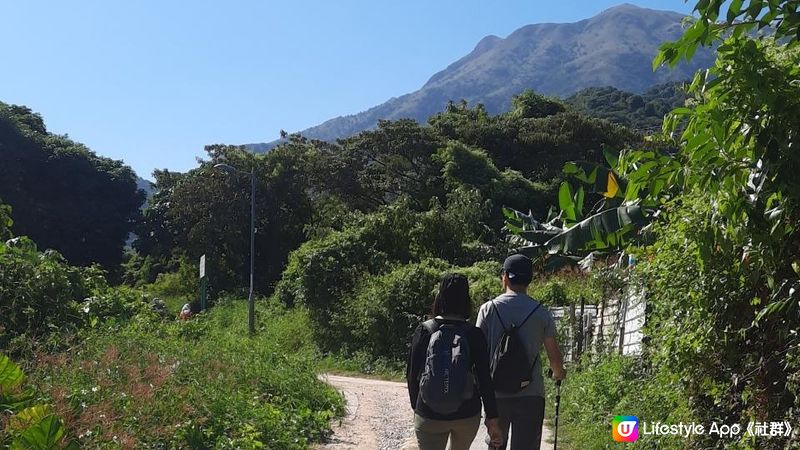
379, 417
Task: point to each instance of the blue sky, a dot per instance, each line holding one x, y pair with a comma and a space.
152, 82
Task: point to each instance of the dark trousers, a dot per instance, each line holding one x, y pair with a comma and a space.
524, 416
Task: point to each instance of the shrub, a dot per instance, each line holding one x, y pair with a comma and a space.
183, 283
39, 291
484, 282
138, 270
552, 293
5, 221
704, 328
456, 232
321, 273
43, 295
385, 310
565, 288
327, 274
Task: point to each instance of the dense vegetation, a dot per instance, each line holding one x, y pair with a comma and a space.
731, 195
416, 191
41, 293
642, 112
107, 369
64, 196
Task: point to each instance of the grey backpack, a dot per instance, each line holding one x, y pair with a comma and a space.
447, 379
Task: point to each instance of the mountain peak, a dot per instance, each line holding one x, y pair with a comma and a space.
486, 43
629, 8
614, 48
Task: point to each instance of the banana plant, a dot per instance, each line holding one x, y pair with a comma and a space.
608, 225
605, 230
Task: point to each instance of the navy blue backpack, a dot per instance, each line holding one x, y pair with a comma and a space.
447, 380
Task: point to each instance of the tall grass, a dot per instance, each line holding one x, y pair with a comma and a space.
616, 385
202, 383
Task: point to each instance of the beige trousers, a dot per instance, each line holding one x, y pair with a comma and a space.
433, 434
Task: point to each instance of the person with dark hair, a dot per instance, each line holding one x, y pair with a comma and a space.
448, 373
516, 327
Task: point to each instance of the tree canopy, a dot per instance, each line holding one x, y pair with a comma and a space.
64, 196
207, 211
307, 189
641, 112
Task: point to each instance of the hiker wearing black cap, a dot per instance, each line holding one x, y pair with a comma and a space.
448, 373
516, 327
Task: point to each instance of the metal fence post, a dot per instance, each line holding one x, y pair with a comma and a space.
624, 310
572, 331
601, 330
581, 330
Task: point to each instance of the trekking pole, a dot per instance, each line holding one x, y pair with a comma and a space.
558, 403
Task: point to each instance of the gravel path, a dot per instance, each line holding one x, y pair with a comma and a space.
379, 418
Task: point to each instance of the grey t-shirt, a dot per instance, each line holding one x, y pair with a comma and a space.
514, 308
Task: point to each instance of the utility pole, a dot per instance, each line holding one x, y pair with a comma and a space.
251, 301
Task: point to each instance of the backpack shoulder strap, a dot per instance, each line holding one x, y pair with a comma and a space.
430, 326
529, 315
536, 357
497, 311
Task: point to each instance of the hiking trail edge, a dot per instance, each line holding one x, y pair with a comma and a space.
378, 417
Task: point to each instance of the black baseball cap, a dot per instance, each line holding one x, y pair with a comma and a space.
519, 269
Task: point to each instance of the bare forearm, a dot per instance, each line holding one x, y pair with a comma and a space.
555, 357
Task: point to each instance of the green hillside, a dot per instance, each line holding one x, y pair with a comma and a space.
641, 112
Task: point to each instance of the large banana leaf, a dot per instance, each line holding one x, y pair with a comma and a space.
517, 220
571, 204
598, 178
528, 228
29, 416
554, 263
606, 229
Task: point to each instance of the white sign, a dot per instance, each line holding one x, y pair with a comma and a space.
202, 266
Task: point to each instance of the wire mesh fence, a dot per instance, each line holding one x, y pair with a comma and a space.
614, 325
